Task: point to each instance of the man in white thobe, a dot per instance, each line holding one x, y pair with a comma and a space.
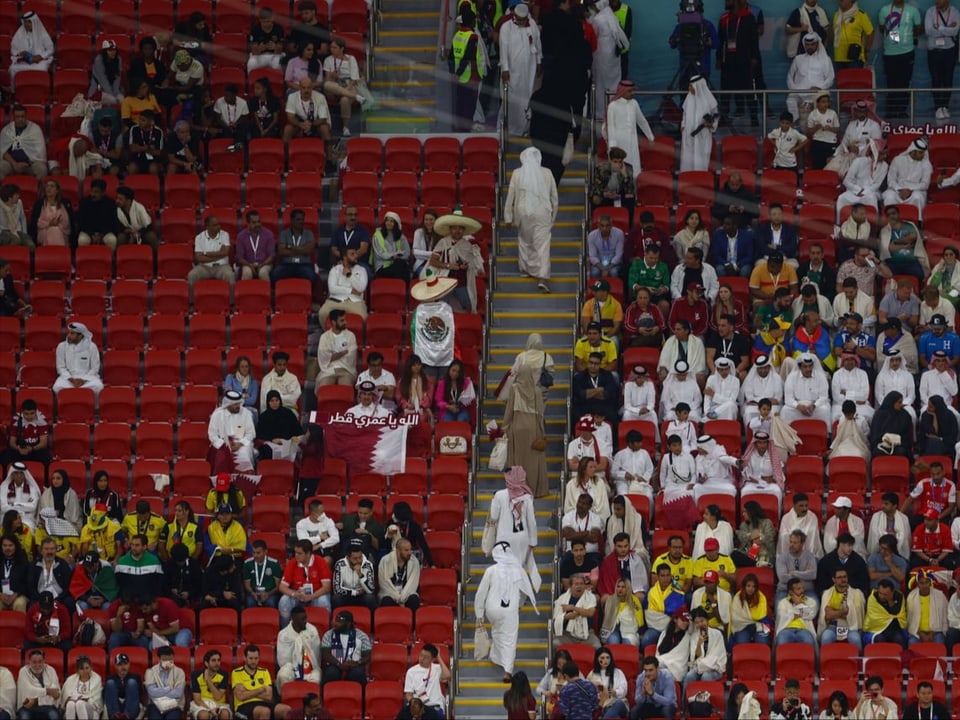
281, 380
842, 513
865, 178
890, 521
498, 600
698, 124
31, 48
761, 382
632, 469
532, 205
512, 515
78, 361
722, 392
520, 59
606, 58
680, 386
231, 426
938, 380
368, 405
714, 469
909, 177
800, 518
640, 398
624, 116
894, 377
806, 393
811, 70
850, 382
298, 650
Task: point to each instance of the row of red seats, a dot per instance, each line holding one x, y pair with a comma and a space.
436, 189
226, 16
434, 154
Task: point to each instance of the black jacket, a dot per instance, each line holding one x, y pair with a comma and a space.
97, 216
855, 566
61, 573
187, 578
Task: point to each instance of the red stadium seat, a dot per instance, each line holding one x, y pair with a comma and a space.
271, 513
211, 296
162, 367
220, 625
887, 473
813, 434
306, 155
847, 475
481, 154
388, 661
839, 661
192, 477
796, 660
388, 295
725, 432
804, 473
394, 625
739, 152
52, 262
76, 405
478, 187
441, 154
399, 188
208, 331
341, 699
276, 478
93, 262
38, 368
204, 367
361, 189
386, 328
403, 154
655, 188
696, 187
182, 191
71, 441
166, 332
42, 333
304, 189
112, 441
445, 548
69, 82
858, 82
452, 428
438, 189
751, 661
435, 625
158, 404
143, 472
88, 297
438, 586
383, 699
33, 87
74, 50
365, 154
816, 221
171, 297
135, 262
192, 440
445, 512
121, 367
293, 296
174, 261
779, 186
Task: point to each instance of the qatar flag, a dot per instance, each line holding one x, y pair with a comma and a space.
366, 444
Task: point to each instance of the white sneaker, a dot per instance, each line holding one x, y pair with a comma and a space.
361, 99
346, 132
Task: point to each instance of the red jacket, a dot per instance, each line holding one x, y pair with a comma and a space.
296, 576
932, 543
698, 315
38, 625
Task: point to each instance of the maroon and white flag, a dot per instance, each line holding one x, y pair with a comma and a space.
366, 444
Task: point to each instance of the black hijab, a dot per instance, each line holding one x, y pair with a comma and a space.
60, 493
888, 419
946, 426
279, 423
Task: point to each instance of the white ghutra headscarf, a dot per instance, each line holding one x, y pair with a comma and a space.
698, 103
530, 178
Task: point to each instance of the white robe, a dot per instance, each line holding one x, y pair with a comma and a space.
640, 466
715, 472
635, 397
606, 58
695, 150
677, 473
863, 177
858, 133
809, 524
726, 392
532, 205
25, 499
908, 174
715, 658
37, 42
675, 661
857, 529
675, 392
292, 649
520, 55
620, 129
596, 488
934, 382
799, 390
878, 528
755, 388
900, 381
30, 140
808, 72
722, 533
759, 467
851, 385
79, 361
520, 532
288, 386
225, 426
696, 355
500, 603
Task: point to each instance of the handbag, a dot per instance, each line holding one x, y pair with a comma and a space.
481, 643
489, 538
498, 456
538, 445
546, 377
453, 445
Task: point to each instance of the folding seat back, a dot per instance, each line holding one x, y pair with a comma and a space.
445, 512
365, 155
394, 625
481, 154
220, 625
306, 155
403, 154
438, 586
125, 332
76, 405
382, 699
208, 331
93, 262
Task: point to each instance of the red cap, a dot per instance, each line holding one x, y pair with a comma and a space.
223, 482
711, 544
711, 576
932, 514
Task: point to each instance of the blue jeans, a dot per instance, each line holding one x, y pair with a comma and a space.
288, 602
154, 714
287, 271
272, 601
46, 712
131, 694
937, 637
795, 635
462, 416
618, 638
694, 676
853, 637
743, 271
750, 634
181, 639
612, 271
121, 638
650, 636
616, 710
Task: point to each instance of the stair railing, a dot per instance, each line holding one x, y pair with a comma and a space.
503, 130
589, 120
466, 540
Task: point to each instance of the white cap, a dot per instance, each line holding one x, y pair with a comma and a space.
842, 502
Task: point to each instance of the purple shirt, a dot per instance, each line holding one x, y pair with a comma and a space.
255, 250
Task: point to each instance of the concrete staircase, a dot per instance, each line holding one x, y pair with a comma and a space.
519, 309
404, 75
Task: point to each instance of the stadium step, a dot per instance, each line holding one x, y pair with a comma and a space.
518, 309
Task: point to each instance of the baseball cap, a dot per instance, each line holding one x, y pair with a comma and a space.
121, 659
367, 386
695, 286
91, 558
223, 482
711, 576
601, 285
931, 514
938, 320
842, 502
711, 544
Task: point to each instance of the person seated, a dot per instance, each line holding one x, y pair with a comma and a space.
692, 309
266, 42
595, 388
749, 617
183, 150
799, 517
384, 381
708, 651
307, 114
693, 234
455, 395
580, 525
818, 272
590, 480
298, 650
926, 706
399, 577
694, 270
901, 246
713, 469
23, 149
165, 684
225, 535
208, 689
13, 231
680, 387
185, 80
594, 341
900, 304
232, 114
732, 248
649, 233
795, 616
623, 564
932, 543
768, 318
613, 183
796, 562
221, 584
295, 250
354, 578
183, 576
771, 275
673, 645
787, 142
842, 610
345, 650
886, 617
850, 383
97, 217
810, 300
139, 570
719, 564
303, 65
863, 181
623, 617
136, 223
909, 177
320, 531
401, 524
38, 688
791, 707
713, 600
262, 587
29, 436
926, 610
341, 79
841, 523
721, 393
605, 309
306, 580
610, 683
632, 469
573, 614
605, 248
684, 428
48, 624
656, 693
649, 281
143, 521
935, 304
872, 703
737, 201
265, 110
422, 681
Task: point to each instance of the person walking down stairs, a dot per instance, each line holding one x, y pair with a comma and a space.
532, 204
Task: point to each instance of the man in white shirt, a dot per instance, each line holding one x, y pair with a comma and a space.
841, 522
640, 398
231, 427
938, 380
909, 177
890, 521
806, 393
346, 284
423, 679
800, 518
582, 524
850, 382
284, 382
810, 71
211, 253
38, 688
368, 405
233, 113
721, 392
632, 468
383, 380
761, 383
307, 114
320, 530
78, 361
337, 352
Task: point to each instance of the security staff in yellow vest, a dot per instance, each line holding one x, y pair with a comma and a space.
624, 16
468, 65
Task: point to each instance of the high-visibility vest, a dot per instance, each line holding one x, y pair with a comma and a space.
459, 46
621, 15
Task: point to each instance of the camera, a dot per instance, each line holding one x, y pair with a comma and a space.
691, 6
